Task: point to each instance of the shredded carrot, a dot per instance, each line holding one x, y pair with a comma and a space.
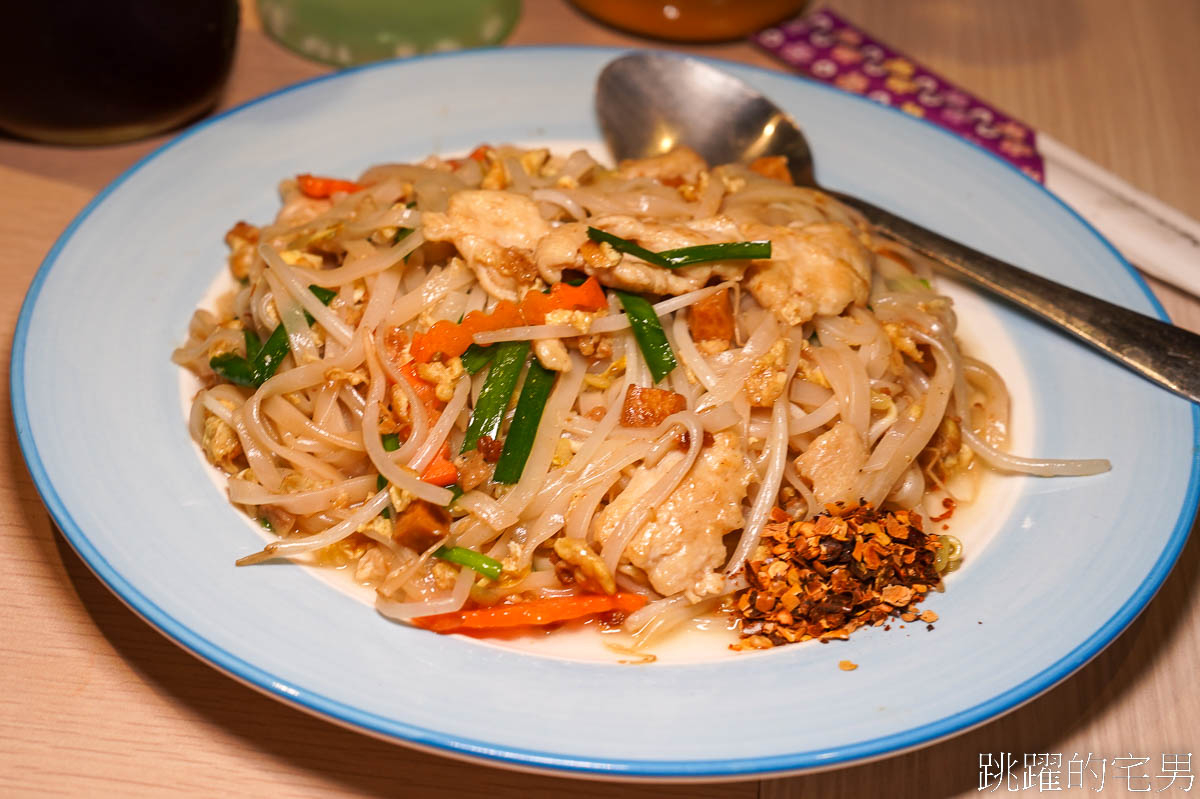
319, 187
452, 339
535, 613
441, 471
479, 154
588, 296
425, 390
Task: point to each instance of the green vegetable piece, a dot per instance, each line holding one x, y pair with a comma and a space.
391, 442
456, 491
497, 392
488, 567
234, 368
725, 251
253, 343
323, 294
519, 441
625, 245
685, 256
380, 484
649, 334
266, 523
268, 357
402, 233
477, 357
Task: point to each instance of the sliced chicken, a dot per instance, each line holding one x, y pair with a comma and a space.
817, 269
681, 165
496, 232
680, 545
832, 464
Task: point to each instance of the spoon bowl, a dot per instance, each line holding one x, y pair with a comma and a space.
648, 103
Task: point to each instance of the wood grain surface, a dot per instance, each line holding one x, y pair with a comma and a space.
96, 703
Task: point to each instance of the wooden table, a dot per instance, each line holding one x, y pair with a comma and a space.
95, 702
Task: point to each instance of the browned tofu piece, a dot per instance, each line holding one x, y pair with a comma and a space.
711, 319
647, 407
420, 525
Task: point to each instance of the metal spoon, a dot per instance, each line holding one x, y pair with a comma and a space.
648, 103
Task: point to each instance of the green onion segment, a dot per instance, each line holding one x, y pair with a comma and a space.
685, 256
497, 392
649, 334
477, 357
521, 433
488, 567
261, 360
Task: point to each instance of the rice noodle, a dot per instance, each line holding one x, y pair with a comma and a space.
614, 545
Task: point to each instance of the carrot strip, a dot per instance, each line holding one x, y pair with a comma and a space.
452, 340
441, 471
319, 187
535, 613
588, 296
424, 389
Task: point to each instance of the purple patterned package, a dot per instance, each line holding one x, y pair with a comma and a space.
829, 49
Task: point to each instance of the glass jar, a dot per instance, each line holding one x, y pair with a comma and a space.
85, 72
691, 20
357, 31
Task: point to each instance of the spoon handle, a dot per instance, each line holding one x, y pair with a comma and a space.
1168, 355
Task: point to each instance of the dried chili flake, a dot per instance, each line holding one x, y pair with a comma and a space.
823, 578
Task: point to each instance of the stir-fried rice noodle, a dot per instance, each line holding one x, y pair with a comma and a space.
824, 372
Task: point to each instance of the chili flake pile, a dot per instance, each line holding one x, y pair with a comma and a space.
824, 578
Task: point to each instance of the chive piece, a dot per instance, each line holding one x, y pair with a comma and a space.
266, 523
402, 233
234, 368
497, 391
391, 442
925, 283
380, 484
649, 334
253, 343
323, 294
625, 245
519, 440
268, 357
488, 567
725, 251
477, 357
456, 491
685, 256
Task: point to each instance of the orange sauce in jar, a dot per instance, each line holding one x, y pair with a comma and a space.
691, 20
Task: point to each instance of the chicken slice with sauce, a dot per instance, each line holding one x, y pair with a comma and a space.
832, 463
816, 269
568, 247
496, 232
679, 166
680, 545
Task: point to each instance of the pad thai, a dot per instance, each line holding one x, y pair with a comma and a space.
518, 388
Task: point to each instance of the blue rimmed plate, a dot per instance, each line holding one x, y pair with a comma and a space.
1062, 574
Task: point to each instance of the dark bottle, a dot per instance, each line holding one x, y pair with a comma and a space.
102, 71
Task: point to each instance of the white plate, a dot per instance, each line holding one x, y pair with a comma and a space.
96, 403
